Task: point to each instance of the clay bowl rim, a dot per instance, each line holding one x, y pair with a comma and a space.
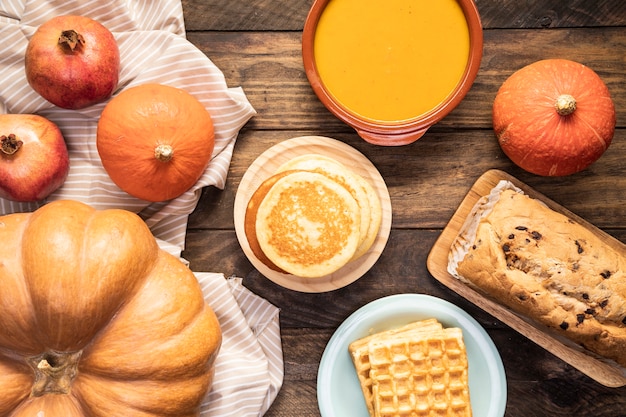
394, 133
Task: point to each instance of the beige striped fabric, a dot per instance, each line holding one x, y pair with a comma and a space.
249, 368
153, 48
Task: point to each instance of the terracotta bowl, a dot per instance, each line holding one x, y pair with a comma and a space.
394, 132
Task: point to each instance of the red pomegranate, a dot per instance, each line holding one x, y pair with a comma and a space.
73, 61
34, 160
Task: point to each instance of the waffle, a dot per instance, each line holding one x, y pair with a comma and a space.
415, 373
359, 352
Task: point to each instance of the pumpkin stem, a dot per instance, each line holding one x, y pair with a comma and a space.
70, 39
54, 372
565, 104
164, 153
10, 144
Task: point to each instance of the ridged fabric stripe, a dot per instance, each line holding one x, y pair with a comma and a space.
249, 369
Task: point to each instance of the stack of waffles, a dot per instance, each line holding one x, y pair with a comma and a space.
418, 370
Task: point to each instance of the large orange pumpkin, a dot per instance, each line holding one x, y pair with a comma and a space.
554, 117
96, 320
155, 141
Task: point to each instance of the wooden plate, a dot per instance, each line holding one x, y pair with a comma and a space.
265, 166
607, 373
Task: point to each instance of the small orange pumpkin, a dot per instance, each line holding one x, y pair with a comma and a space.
554, 117
155, 141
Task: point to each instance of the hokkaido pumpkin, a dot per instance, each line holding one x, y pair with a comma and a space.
96, 320
554, 117
155, 141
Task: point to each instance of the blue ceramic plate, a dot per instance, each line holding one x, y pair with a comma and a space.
338, 390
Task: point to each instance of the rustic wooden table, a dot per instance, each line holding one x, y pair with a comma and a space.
257, 44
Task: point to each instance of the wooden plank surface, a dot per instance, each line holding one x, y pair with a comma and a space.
256, 44
269, 67
289, 15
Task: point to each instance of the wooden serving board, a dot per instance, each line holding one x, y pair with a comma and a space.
607, 373
266, 165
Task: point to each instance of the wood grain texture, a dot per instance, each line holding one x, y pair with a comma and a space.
428, 179
269, 68
289, 15
257, 46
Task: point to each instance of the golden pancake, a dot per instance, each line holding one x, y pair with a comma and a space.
250, 219
361, 190
376, 218
308, 224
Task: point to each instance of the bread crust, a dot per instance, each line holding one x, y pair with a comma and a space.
551, 269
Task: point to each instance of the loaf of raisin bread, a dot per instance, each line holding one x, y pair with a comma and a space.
546, 267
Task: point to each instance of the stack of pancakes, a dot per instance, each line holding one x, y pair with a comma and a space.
420, 369
312, 217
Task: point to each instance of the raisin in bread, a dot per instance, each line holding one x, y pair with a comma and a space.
546, 267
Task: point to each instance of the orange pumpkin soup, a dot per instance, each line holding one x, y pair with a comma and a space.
391, 60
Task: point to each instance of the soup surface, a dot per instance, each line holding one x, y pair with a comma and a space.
391, 60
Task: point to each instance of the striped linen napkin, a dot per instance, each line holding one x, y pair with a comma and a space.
249, 367
153, 48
